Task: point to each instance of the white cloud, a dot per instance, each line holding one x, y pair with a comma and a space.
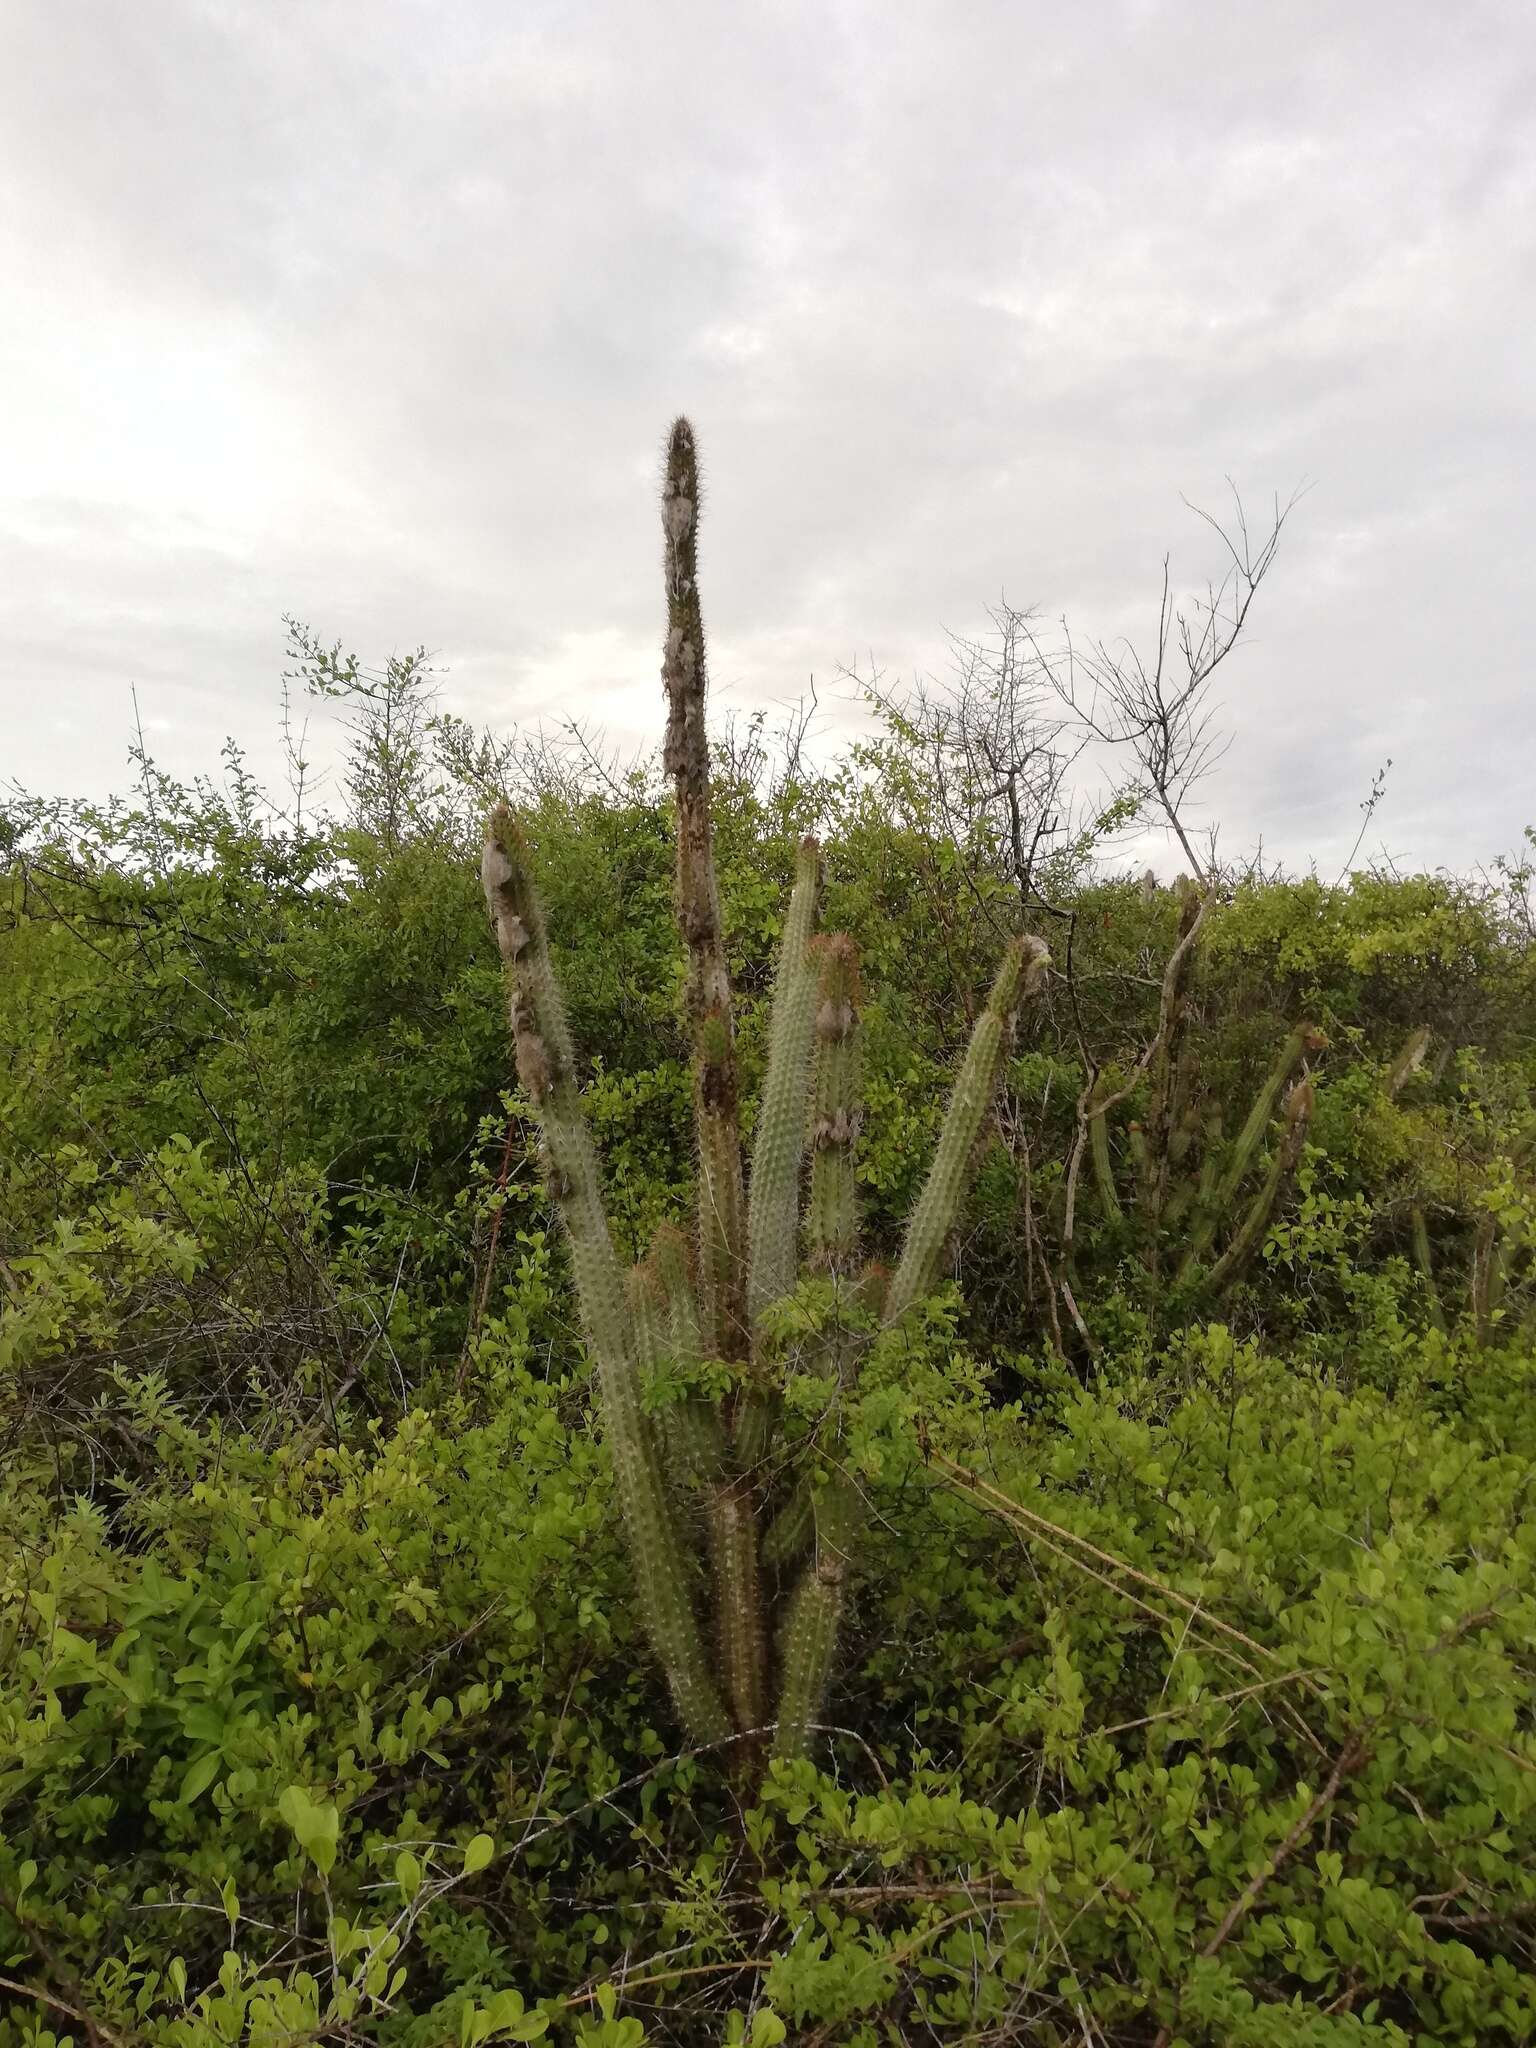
378, 313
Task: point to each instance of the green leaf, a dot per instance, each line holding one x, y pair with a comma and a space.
316, 1825
478, 1853
408, 1873
200, 1775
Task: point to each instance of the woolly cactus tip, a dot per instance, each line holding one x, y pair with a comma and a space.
680, 488
1300, 1103
1025, 963
682, 450
836, 960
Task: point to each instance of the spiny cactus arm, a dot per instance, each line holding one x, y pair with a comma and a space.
832, 1220
790, 1529
808, 1643
1020, 977
1103, 1171
664, 1325
773, 1212
1304, 1039
545, 1068
1232, 1264
722, 1208
1423, 1258
1408, 1062
1136, 1138
730, 1513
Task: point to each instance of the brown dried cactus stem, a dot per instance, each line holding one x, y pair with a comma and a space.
722, 1209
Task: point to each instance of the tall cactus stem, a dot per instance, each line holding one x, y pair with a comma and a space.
721, 1213
665, 1321
1408, 1062
778, 1148
1232, 1264
832, 1224
808, 1644
1103, 1171
1020, 977
664, 1580
740, 1646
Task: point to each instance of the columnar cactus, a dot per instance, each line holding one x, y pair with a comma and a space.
762, 1665
1184, 1209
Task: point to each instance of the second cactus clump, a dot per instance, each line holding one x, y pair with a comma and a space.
713, 1518
1190, 1218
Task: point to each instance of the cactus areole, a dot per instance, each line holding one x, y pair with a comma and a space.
740, 1564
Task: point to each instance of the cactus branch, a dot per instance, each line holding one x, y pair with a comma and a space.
663, 1577
833, 1220
721, 1220
809, 1641
773, 1217
1232, 1264
1021, 975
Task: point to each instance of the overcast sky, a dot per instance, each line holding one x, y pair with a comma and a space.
376, 314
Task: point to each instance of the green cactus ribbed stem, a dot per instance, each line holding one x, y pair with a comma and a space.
1408, 1062
664, 1323
1423, 1258
1136, 1138
1103, 1171
730, 1513
1232, 1264
808, 1642
1186, 1126
790, 1529
722, 1204
1304, 1039
664, 1580
1021, 975
832, 1221
778, 1148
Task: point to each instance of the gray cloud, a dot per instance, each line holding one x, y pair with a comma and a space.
377, 314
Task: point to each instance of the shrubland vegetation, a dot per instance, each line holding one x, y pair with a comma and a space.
1077, 1587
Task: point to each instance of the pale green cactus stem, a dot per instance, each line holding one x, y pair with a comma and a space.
1303, 1040
1020, 977
832, 1221
722, 1206
808, 1643
545, 1067
778, 1149
1408, 1062
1103, 1170
1229, 1268
1193, 1191
694, 1439
790, 1529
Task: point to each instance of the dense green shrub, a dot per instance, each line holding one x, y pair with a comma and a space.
1186, 1691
